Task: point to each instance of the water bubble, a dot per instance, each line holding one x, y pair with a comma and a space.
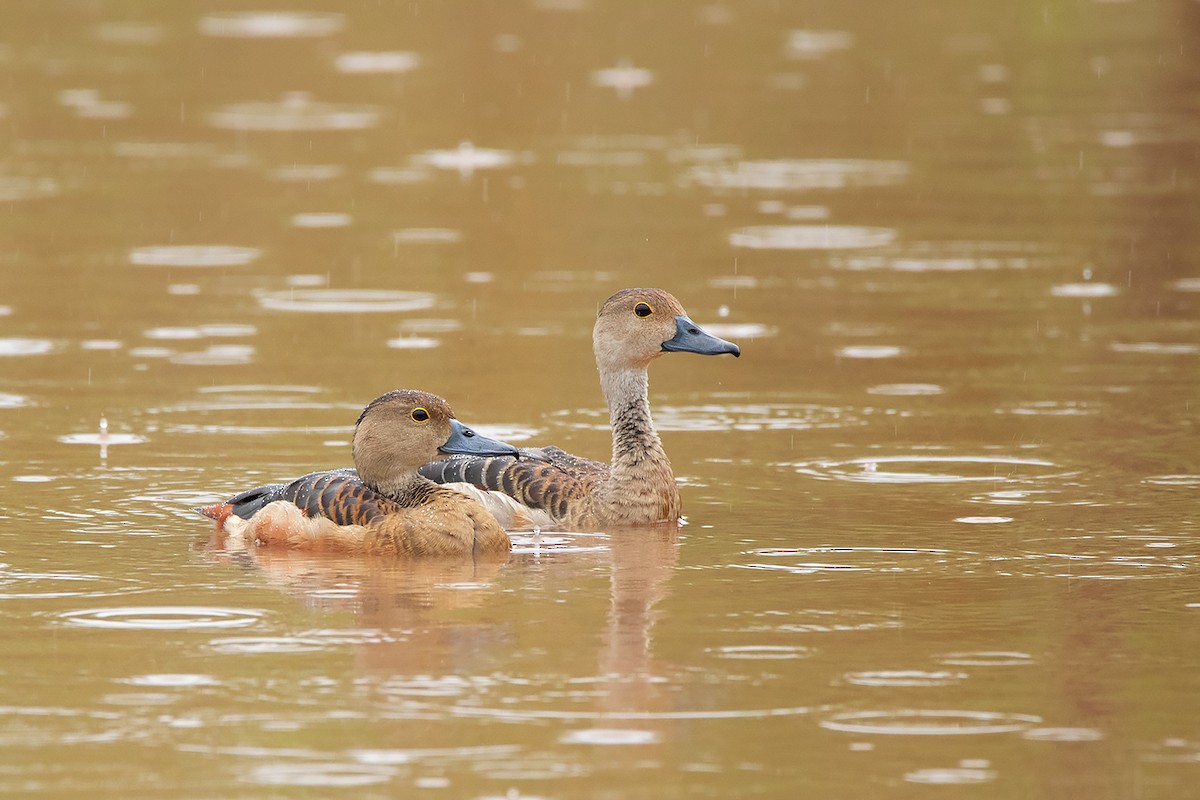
983, 520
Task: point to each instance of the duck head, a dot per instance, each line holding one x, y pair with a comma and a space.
636, 326
404, 429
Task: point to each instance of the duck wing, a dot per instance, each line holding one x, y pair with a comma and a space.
337, 495
548, 478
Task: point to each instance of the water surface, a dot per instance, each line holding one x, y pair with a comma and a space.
941, 514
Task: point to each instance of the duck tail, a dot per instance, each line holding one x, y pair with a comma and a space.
219, 512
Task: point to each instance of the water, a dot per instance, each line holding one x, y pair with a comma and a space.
941, 514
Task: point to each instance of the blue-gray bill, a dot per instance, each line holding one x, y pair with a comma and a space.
691, 338
464, 441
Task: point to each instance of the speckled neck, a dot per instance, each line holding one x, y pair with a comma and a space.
637, 452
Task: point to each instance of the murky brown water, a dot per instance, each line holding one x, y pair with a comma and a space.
942, 513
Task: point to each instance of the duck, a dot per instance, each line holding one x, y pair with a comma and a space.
549, 487
382, 506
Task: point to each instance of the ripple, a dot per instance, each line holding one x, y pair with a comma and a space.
15, 188
345, 301
809, 45
1186, 285
321, 219
102, 438
383, 62
54, 585
986, 468
919, 722
522, 715
217, 355
986, 658
624, 78
1156, 480
466, 158
950, 775
426, 236
162, 618
1157, 348
740, 330
13, 400
307, 173
1114, 558
857, 559
904, 677
218, 255
1084, 290
799, 174
744, 417
764, 652
1050, 408
810, 237
610, 736
950, 256
544, 543
184, 680
303, 773
296, 111
818, 620
1063, 735
257, 645
271, 24
870, 351
413, 343
20, 346
907, 389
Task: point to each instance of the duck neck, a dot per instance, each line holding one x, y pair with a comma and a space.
408, 489
637, 451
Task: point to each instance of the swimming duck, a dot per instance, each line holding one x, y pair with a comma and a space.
554, 488
384, 507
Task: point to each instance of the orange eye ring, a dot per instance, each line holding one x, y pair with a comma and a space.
643, 309
419, 414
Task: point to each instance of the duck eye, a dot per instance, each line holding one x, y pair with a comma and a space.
643, 310
419, 414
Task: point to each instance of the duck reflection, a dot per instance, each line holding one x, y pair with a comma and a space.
395, 604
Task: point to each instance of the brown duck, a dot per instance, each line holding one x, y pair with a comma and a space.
553, 487
384, 507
